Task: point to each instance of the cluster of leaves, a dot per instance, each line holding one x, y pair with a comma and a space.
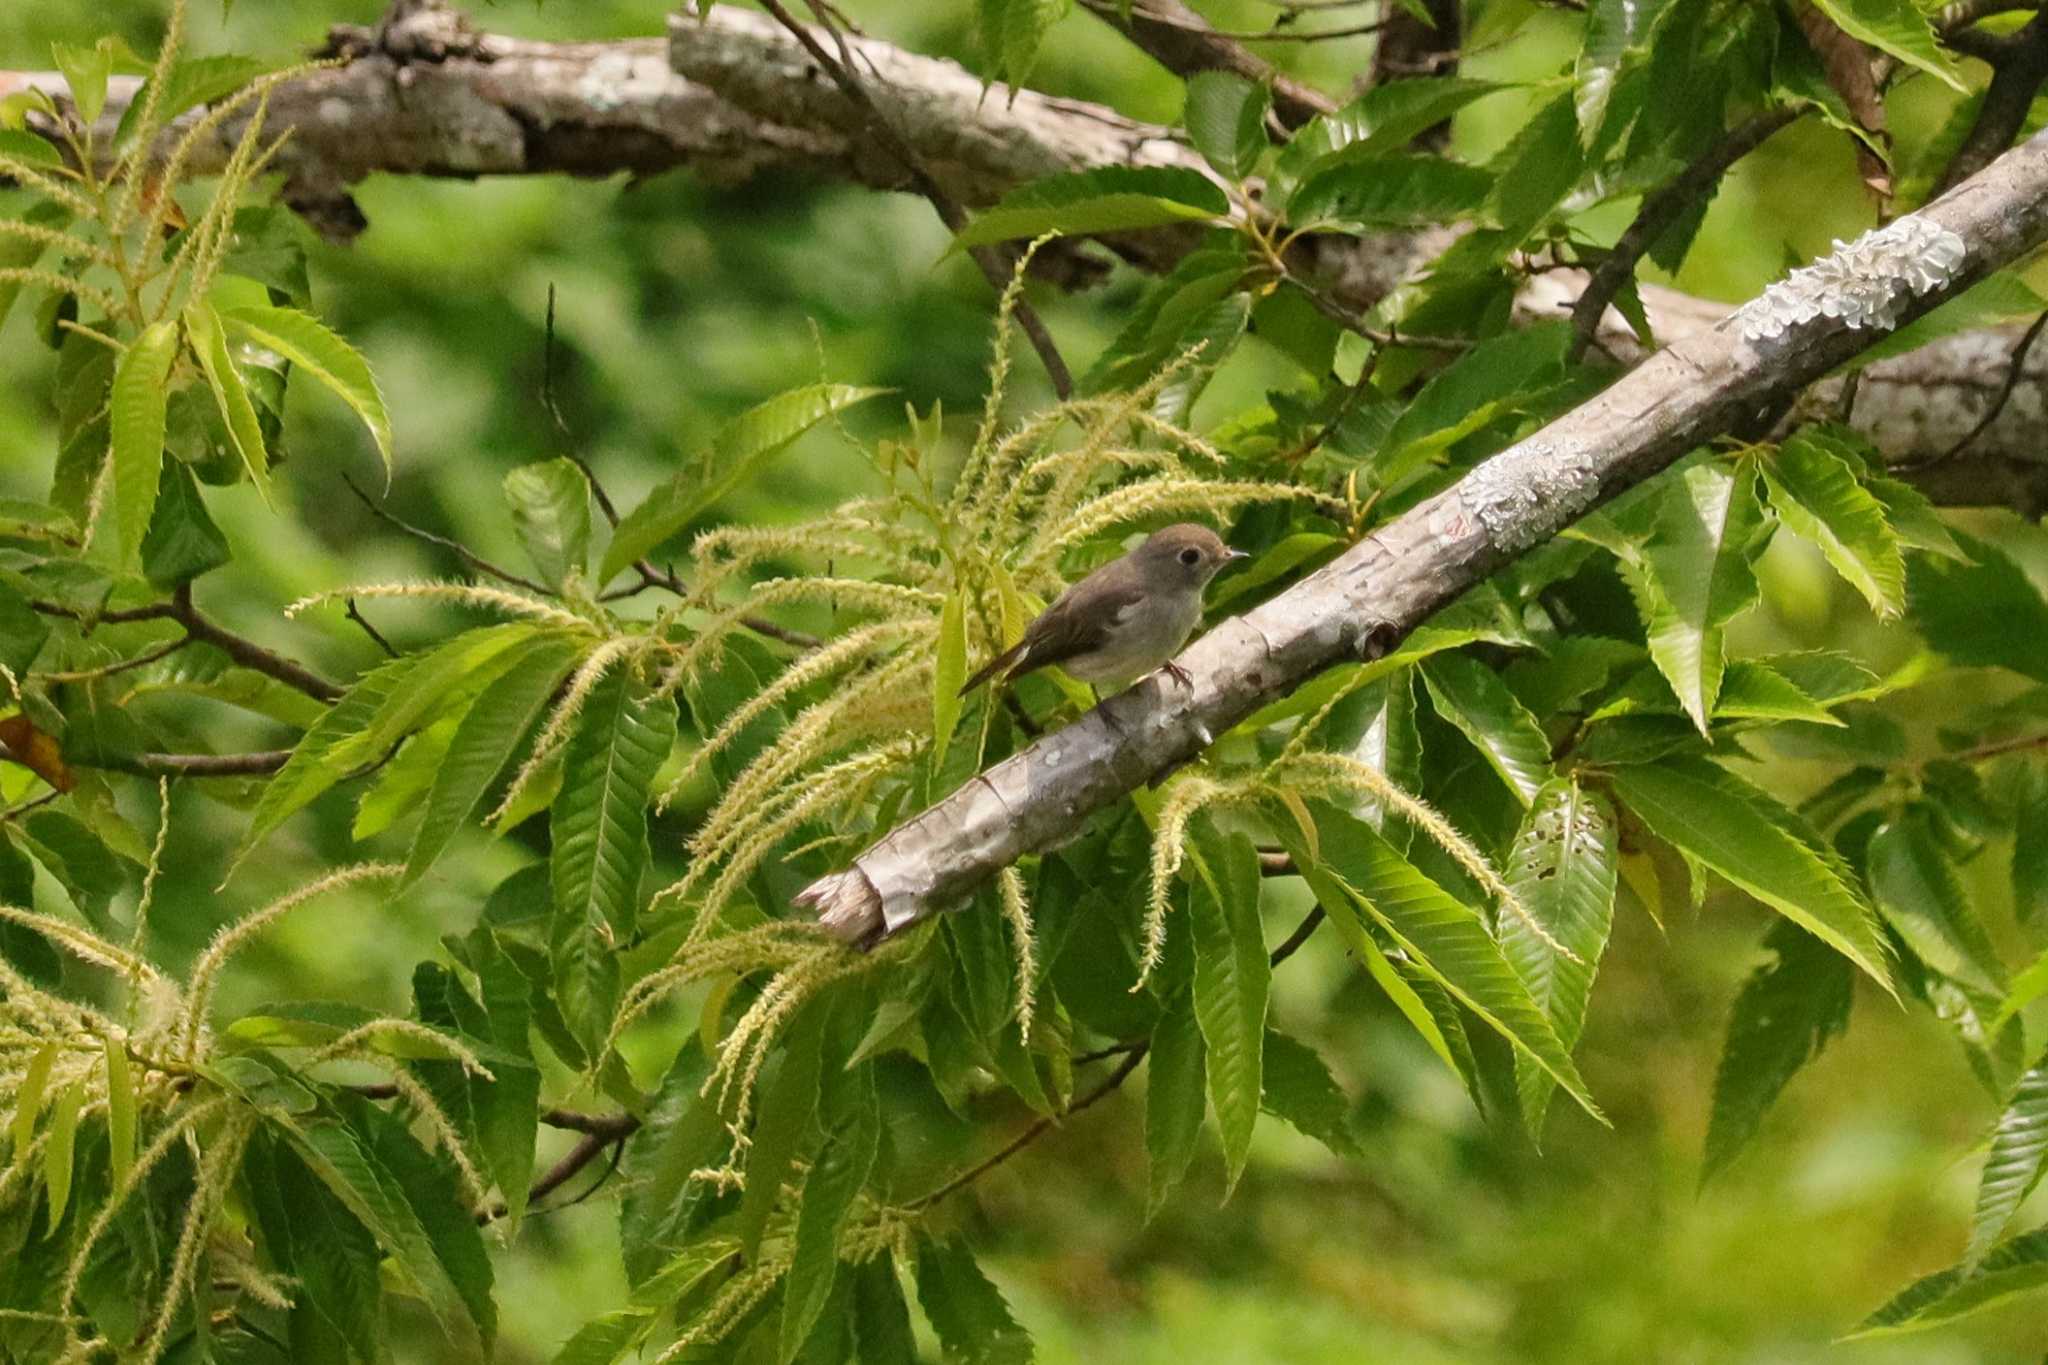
1572, 740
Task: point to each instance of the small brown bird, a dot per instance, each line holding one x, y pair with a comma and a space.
1127, 618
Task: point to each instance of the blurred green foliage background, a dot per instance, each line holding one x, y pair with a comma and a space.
678, 305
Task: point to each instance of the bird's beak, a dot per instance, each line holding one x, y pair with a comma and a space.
1232, 556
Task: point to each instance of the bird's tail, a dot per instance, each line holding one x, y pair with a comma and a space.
994, 666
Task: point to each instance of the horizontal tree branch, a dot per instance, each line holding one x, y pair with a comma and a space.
1719, 380
732, 97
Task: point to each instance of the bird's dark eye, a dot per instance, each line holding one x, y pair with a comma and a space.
1191, 556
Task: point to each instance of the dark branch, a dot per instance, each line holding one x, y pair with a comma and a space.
198, 626
1184, 43
1411, 46
454, 547
1134, 1052
2019, 66
355, 614
614, 1125
1107, 1085
1659, 210
586, 1150
141, 660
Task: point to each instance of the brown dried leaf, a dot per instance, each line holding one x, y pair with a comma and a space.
21, 742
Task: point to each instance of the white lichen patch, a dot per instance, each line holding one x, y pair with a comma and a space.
1523, 494
1864, 283
616, 79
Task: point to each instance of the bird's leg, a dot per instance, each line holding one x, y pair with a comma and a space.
1096, 693
1178, 674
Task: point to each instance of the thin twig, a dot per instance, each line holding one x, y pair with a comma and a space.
16, 812
599, 1132
204, 629
1274, 35
455, 547
603, 1178
355, 614
582, 1154
1996, 748
109, 670
1038, 1129
247, 652
992, 263
650, 577
2015, 369
1658, 211
554, 410
1292, 943
1134, 1052
1183, 42
616, 1124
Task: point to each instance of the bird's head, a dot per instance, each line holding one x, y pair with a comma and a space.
1185, 553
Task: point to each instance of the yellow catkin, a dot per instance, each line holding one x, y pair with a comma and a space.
734, 1299
819, 731
741, 1055
199, 994
68, 243
1187, 794
203, 128
209, 1193
146, 124
1051, 467
766, 945
358, 1041
480, 595
998, 369
474, 1185
30, 176
1023, 945
1104, 426
556, 731
58, 284
1351, 773
746, 847
976, 506
845, 652
216, 230
81, 943
1153, 498
170, 1135
889, 600
156, 861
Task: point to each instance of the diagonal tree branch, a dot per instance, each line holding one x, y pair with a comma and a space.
1385, 586
2016, 77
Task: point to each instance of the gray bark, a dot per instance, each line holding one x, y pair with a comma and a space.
1720, 378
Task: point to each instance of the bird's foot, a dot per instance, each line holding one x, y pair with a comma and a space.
1178, 674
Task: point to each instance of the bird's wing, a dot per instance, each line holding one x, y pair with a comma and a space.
1075, 625
1078, 622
